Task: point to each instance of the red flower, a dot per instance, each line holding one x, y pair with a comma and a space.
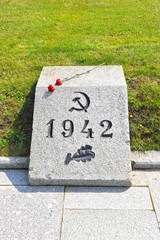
51, 88
58, 82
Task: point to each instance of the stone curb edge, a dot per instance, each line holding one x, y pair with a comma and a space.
139, 160
14, 162
145, 160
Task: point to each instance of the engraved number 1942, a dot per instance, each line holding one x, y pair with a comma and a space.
68, 129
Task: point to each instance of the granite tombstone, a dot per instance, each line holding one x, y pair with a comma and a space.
80, 131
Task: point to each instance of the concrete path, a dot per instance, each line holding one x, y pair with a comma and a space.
79, 213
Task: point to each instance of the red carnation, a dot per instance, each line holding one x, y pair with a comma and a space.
58, 82
51, 88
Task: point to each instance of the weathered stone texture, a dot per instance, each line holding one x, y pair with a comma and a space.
107, 113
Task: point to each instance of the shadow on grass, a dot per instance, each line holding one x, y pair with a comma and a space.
20, 135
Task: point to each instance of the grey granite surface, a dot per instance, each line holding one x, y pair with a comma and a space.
30, 212
110, 225
98, 131
107, 198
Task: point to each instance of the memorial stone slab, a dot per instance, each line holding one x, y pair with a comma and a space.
80, 131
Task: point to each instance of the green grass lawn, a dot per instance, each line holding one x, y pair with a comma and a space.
42, 33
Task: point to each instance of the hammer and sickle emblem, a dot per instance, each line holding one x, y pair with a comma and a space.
81, 106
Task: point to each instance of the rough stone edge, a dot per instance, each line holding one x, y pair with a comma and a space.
75, 182
14, 162
139, 160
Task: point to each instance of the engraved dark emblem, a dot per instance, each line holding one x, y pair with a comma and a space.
81, 106
84, 154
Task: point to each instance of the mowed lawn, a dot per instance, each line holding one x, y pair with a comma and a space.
38, 33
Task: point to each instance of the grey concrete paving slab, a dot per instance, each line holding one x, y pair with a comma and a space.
14, 162
110, 225
152, 179
28, 225
145, 177
26, 197
107, 198
139, 178
145, 160
154, 185
158, 216
14, 177
30, 212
